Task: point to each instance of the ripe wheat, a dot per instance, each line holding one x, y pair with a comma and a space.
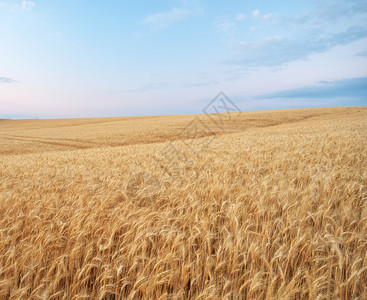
274, 207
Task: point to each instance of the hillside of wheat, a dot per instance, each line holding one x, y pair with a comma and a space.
268, 205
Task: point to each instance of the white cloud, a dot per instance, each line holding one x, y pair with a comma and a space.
277, 51
7, 80
299, 18
253, 28
273, 38
161, 20
225, 26
255, 14
240, 17
27, 5
267, 17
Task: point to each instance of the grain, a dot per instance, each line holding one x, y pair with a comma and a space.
274, 207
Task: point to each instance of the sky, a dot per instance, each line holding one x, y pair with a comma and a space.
61, 59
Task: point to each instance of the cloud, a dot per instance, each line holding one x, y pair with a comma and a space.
358, 7
16, 116
162, 20
225, 26
7, 80
273, 38
362, 53
201, 84
251, 29
298, 18
240, 17
352, 88
338, 9
332, 10
276, 51
255, 14
149, 87
307, 32
164, 85
183, 10
267, 17
27, 5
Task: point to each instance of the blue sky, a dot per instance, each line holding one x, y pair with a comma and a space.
124, 58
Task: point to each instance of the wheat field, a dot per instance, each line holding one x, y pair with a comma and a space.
269, 205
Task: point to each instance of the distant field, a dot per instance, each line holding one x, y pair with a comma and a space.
264, 205
35, 136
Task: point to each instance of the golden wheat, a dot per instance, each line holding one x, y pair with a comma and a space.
273, 207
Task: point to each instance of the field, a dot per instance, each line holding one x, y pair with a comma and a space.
258, 205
